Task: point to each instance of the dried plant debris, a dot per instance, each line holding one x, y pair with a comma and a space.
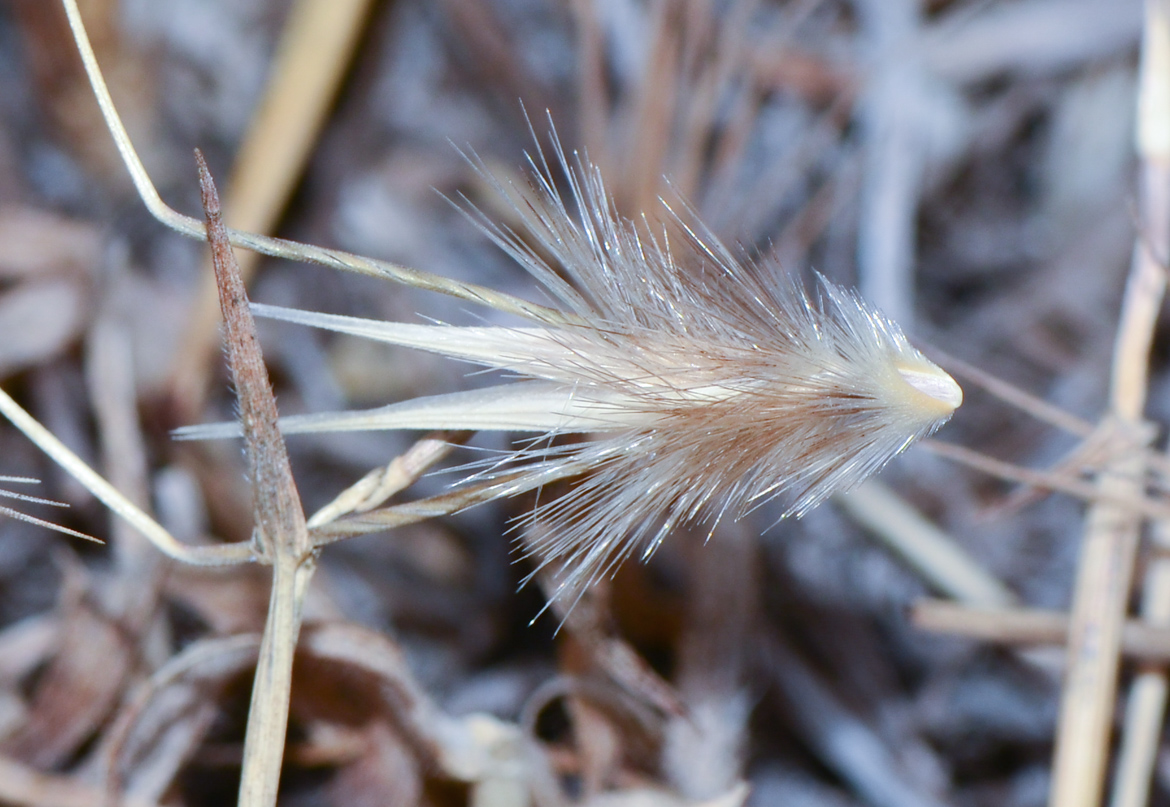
968, 166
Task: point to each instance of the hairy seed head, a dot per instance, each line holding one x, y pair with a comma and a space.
707, 385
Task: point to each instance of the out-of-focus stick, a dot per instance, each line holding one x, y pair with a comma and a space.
1105, 569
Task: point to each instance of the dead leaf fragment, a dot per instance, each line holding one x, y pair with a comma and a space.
38, 321
35, 243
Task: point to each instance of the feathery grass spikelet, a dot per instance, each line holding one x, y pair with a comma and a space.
708, 385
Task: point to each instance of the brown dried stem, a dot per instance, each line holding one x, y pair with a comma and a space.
281, 536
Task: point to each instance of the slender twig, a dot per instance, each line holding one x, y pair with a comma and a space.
381, 483
937, 557
1105, 570
1146, 706
1044, 480
1026, 627
281, 536
111, 497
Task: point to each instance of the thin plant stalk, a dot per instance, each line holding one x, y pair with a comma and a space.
1127, 499
1145, 708
380, 484
1109, 548
1146, 704
272, 687
281, 535
111, 497
1032, 627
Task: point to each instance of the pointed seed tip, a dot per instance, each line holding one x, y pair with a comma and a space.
936, 385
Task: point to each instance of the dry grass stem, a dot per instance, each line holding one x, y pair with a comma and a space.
1105, 569
112, 498
938, 558
381, 483
444, 504
1146, 707
1141, 641
1046, 480
281, 536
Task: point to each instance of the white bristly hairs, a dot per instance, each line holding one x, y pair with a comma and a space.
707, 385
